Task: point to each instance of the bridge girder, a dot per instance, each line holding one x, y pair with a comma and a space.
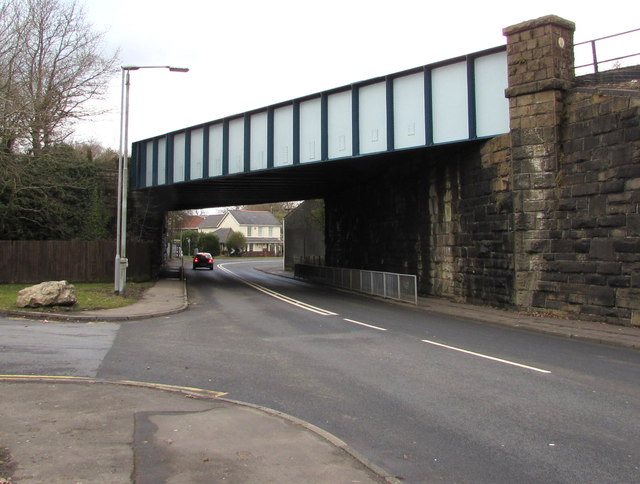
300, 182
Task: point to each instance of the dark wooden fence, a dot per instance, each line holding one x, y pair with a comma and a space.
27, 261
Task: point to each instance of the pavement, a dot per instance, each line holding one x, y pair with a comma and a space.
86, 430
70, 430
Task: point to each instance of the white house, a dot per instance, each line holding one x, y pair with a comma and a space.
263, 231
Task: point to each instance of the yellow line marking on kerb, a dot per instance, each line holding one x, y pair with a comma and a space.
43, 377
173, 387
160, 386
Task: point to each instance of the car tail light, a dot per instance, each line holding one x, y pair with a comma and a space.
210, 260
195, 259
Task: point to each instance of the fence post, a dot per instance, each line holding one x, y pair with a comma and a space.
384, 284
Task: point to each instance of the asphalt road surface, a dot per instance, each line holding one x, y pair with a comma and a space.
429, 398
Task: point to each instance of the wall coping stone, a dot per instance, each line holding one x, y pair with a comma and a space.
538, 22
608, 91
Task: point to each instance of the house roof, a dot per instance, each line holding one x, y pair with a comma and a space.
248, 217
191, 222
212, 221
223, 234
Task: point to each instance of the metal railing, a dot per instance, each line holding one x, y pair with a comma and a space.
401, 287
615, 45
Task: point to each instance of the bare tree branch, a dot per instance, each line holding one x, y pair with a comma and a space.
51, 65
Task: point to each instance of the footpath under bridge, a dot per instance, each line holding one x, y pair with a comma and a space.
292, 150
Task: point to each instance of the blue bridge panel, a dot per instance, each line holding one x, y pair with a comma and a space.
452, 101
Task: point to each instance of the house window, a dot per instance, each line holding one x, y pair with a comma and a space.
270, 231
261, 231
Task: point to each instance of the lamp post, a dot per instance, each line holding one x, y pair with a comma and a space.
121, 261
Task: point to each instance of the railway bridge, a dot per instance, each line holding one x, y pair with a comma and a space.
498, 177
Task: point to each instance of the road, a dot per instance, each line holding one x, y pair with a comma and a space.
429, 398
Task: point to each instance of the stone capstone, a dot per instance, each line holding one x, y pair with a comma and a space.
50, 293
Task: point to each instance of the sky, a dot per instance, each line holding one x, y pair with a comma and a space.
244, 55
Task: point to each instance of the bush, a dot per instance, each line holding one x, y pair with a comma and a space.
52, 195
189, 241
209, 243
236, 243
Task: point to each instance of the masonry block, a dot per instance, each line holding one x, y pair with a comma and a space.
609, 268
585, 189
633, 184
630, 245
628, 298
633, 224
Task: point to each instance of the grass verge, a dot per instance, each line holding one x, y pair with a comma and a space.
91, 296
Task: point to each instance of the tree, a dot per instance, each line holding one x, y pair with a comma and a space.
209, 243
51, 65
189, 241
93, 151
94, 225
10, 97
57, 194
236, 243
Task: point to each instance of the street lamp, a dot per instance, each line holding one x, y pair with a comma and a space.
121, 261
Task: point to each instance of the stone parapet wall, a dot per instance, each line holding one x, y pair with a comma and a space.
592, 252
575, 180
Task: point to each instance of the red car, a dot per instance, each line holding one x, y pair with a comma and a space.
203, 259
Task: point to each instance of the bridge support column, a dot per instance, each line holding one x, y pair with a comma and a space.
540, 69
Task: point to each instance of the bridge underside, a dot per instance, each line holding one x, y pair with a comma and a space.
300, 182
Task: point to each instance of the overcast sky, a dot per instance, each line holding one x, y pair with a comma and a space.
248, 54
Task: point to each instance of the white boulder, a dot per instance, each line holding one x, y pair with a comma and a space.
50, 293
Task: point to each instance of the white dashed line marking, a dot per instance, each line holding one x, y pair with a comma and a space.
487, 357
